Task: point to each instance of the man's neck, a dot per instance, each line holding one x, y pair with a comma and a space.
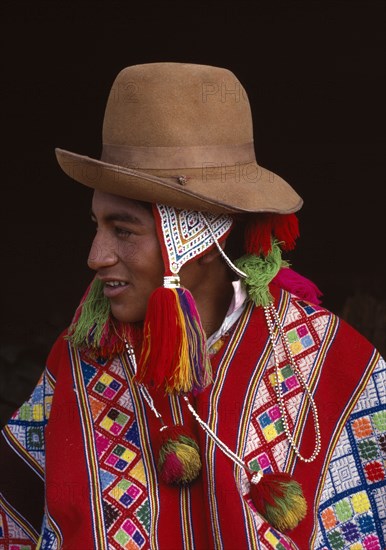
213, 295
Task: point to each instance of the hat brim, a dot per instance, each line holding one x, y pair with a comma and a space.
242, 188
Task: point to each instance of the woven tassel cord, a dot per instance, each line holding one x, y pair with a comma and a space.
280, 500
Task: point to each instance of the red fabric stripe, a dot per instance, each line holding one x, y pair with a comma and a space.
67, 486
170, 528
229, 413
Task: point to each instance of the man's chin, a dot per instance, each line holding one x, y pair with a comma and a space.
126, 315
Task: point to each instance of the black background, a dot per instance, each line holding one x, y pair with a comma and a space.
314, 73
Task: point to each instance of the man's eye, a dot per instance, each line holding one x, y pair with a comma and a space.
122, 232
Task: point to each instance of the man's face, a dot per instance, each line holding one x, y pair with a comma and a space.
125, 254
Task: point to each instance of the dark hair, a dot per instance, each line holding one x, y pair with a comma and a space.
234, 247
146, 205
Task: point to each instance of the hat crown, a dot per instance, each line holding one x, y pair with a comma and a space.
181, 134
177, 105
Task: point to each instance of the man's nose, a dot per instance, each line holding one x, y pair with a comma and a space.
102, 253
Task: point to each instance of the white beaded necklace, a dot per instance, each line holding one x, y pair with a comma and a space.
272, 318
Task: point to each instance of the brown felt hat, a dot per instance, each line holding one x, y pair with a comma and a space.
181, 134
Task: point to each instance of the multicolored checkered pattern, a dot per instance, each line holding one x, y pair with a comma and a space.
353, 504
125, 501
272, 539
267, 439
26, 427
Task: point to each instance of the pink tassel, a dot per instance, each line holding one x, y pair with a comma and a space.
293, 282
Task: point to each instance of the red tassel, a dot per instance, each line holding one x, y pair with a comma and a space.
114, 336
286, 230
162, 335
174, 349
258, 234
262, 227
279, 499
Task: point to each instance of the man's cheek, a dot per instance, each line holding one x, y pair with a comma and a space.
129, 253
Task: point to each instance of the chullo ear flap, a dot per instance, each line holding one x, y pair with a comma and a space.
174, 352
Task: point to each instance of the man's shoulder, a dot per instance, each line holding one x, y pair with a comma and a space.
325, 322
293, 309
63, 352
297, 312
58, 353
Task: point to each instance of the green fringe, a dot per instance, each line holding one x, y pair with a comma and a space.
95, 310
260, 271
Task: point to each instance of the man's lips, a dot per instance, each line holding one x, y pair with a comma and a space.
113, 287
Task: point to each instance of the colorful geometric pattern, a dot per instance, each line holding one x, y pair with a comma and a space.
270, 539
25, 430
49, 539
267, 445
12, 534
299, 339
124, 492
129, 532
186, 235
352, 511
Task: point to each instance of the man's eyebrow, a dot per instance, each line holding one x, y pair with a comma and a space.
120, 217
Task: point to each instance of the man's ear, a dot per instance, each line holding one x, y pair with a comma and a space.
211, 255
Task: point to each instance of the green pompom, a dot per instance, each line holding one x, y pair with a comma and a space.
179, 459
279, 498
289, 510
260, 271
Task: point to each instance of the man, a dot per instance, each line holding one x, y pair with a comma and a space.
201, 398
